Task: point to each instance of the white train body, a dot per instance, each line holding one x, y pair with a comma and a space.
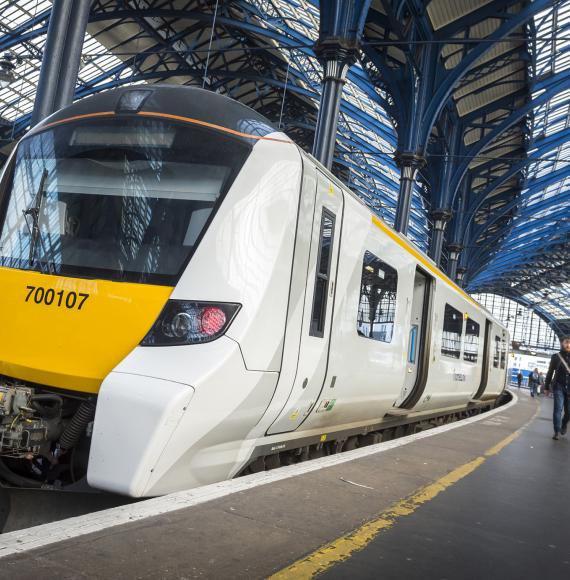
173, 417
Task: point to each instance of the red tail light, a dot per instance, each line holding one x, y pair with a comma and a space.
183, 322
213, 320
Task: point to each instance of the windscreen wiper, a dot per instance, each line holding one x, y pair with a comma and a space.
34, 212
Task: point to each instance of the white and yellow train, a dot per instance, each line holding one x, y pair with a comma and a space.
185, 291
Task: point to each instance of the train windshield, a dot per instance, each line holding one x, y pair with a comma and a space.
124, 199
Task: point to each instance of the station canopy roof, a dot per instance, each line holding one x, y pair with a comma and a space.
508, 99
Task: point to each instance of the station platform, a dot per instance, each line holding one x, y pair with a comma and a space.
486, 497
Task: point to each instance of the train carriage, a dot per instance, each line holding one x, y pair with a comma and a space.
187, 295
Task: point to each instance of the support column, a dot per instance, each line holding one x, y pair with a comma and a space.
409, 164
336, 62
62, 55
467, 246
454, 251
455, 247
340, 29
440, 218
411, 148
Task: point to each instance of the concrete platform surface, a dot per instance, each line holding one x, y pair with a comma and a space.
474, 506
509, 519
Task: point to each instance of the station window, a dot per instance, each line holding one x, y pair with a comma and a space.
497, 353
452, 332
377, 305
318, 316
471, 347
503, 354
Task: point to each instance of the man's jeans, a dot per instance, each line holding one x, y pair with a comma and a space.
533, 390
561, 402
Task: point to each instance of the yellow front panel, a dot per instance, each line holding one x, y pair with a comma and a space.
69, 332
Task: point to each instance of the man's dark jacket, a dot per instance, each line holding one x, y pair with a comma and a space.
558, 377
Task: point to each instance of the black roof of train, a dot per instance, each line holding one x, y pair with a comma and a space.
178, 100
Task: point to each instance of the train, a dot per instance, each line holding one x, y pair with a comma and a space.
188, 296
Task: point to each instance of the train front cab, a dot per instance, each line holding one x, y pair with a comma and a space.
143, 215
189, 409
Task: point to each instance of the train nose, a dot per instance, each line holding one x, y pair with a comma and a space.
71, 332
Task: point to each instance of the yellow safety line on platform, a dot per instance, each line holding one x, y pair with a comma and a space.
502, 444
342, 548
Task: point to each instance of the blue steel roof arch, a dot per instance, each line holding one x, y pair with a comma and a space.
288, 39
555, 85
485, 62
533, 237
486, 276
539, 148
267, 22
443, 93
449, 81
536, 184
27, 31
501, 148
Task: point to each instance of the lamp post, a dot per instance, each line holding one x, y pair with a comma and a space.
454, 251
461, 275
440, 218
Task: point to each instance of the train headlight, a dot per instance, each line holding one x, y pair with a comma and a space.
184, 322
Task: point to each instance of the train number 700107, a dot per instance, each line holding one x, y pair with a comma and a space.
61, 298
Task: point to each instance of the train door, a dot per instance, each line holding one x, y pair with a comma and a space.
318, 310
486, 361
418, 342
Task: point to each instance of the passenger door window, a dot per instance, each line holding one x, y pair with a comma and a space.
377, 305
497, 353
322, 274
452, 332
471, 348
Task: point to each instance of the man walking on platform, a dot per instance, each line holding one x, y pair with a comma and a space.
558, 380
533, 382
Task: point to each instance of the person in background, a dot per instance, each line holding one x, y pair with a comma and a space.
519, 378
558, 380
533, 381
540, 382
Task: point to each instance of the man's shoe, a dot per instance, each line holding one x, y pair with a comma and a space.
563, 430
555, 437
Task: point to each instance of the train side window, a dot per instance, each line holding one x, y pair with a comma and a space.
452, 332
497, 353
322, 275
471, 347
503, 354
377, 305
